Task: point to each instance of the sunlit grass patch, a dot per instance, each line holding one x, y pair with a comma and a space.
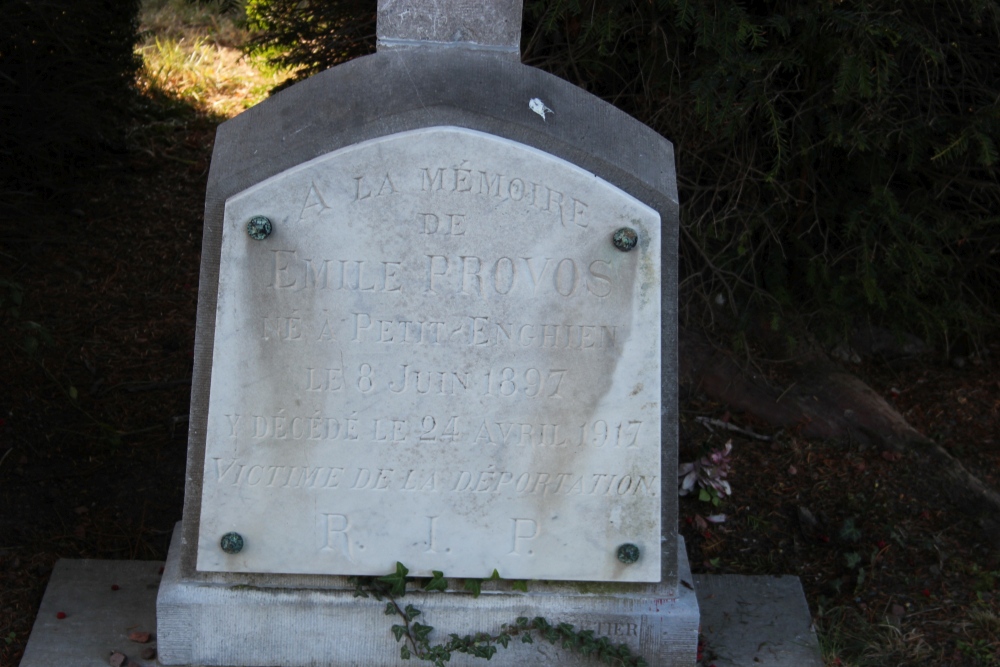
191, 52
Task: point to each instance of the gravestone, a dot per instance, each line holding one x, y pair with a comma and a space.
436, 326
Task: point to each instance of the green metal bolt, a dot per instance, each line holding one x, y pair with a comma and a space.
259, 228
625, 238
628, 553
232, 543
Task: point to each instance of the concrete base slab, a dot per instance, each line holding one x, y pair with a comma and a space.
747, 621
98, 617
756, 621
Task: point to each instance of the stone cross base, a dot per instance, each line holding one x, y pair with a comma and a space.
212, 624
92, 606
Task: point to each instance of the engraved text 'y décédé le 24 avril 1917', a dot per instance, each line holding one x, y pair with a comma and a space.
437, 356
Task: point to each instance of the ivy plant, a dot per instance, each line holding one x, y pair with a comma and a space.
417, 643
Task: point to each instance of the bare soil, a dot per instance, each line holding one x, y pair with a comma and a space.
93, 430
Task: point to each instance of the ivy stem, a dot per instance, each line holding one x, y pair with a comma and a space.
409, 634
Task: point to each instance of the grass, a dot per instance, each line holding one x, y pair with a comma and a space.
192, 52
850, 639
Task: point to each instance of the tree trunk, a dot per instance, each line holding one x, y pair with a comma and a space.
827, 402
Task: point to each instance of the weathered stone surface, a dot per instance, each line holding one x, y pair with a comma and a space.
748, 621
438, 356
98, 619
307, 627
495, 26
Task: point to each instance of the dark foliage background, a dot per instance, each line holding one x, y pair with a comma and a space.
67, 79
837, 160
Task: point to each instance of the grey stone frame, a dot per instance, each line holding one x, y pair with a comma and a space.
395, 91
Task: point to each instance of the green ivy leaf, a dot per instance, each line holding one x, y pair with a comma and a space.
475, 586
438, 655
503, 639
404, 652
526, 639
420, 631
398, 631
484, 651
520, 585
411, 612
397, 580
495, 576
437, 582
390, 609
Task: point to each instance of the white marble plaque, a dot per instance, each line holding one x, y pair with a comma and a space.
437, 357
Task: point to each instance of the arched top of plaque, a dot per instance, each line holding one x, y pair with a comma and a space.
394, 91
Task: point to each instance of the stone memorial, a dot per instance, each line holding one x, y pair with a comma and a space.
436, 326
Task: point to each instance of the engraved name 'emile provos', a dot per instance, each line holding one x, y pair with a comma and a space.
444, 274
